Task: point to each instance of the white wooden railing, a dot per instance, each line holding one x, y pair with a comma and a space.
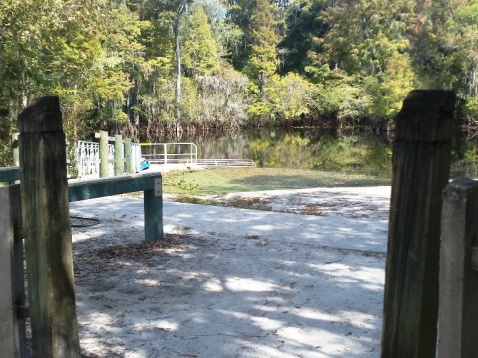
88, 158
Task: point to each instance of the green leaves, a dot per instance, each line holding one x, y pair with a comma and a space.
364, 34
235, 62
285, 99
200, 49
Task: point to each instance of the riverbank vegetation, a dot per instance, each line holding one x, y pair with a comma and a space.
146, 68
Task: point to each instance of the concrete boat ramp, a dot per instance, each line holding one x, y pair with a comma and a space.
228, 282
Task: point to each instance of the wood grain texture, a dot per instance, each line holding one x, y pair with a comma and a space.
421, 165
12, 294
458, 311
104, 167
45, 210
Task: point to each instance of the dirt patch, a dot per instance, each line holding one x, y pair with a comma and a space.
345, 202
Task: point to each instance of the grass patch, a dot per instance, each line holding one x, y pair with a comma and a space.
253, 237
196, 200
233, 180
182, 228
243, 203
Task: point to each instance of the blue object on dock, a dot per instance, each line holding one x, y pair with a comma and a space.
144, 164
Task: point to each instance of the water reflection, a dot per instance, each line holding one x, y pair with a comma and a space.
351, 153
464, 161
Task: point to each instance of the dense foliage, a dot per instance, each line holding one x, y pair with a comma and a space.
170, 65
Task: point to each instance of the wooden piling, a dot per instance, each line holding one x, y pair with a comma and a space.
458, 312
153, 211
119, 159
12, 294
16, 153
421, 165
45, 210
128, 156
104, 155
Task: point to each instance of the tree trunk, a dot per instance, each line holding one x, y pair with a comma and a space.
178, 72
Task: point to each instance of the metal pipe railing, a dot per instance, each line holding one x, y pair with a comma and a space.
169, 153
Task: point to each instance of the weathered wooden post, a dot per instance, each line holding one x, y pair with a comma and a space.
104, 158
128, 156
16, 153
46, 222
421, 165
153, 211
12, 294
458, 312
119, 164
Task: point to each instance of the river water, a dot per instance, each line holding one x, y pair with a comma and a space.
349, 152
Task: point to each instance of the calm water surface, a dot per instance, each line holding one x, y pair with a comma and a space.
354, 152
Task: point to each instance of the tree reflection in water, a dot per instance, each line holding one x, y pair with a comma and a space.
355, 152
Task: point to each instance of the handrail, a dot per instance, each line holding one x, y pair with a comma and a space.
9, 174
168, 155
88, 158
222, 162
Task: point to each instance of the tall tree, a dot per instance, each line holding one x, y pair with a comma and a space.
462, 41
301, 45
175, 9
364, 34
200, 49
122, 65
445, 37
263, 33
47, 46
226, 34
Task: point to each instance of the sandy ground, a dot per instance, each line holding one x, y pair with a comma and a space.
302, 277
